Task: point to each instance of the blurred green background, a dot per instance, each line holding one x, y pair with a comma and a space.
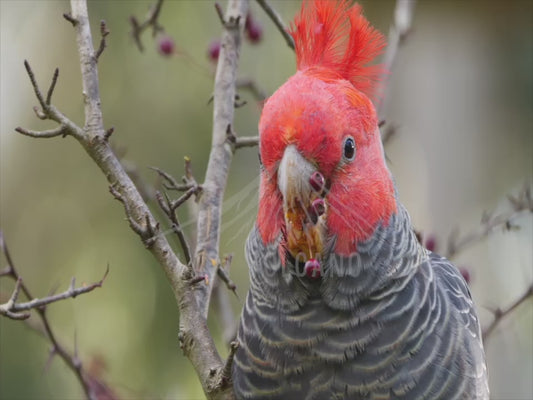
461, 95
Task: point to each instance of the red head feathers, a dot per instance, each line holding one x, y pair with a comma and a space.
320, 31
319, 111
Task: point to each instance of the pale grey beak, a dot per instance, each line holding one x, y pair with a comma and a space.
294, 173
305, 228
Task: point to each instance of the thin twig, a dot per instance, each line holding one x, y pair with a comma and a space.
523, 202
275, 17
170, 211
103, 44
220, 13
61, 130
150, 20
35, 86
223, 273
52, 87
72, 362
71, 292
246, 141
66, 127
176, 228
183, 198
399, 30
108, 133
69, 18
224, 376
169, 207
172, 184
499, 313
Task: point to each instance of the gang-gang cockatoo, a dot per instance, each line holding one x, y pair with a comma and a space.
344, 302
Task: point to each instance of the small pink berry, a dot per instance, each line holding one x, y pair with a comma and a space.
466, 274
312, 268
431, 243
317, 181
213, 51
166, 46
254, 32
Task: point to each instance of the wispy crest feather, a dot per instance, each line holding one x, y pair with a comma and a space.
336, 37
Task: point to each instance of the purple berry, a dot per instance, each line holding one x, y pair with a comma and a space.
431, 243
254, 32
312, 268
317, 181
213, 51
166, 46
466, 274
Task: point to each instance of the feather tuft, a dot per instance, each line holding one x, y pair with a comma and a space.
337, 39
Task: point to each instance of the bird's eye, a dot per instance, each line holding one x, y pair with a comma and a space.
349, 148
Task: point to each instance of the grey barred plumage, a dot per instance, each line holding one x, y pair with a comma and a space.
344, 302
393, 321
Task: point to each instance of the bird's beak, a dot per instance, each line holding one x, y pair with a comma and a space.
304, 207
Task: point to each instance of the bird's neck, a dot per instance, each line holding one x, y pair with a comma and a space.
382, 265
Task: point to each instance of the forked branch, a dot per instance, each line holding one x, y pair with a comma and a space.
151, 20
489, 222
192, 299
11, 309
500, 314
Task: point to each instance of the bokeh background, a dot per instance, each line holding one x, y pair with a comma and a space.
461, 95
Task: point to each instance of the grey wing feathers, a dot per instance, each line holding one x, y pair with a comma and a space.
419, 341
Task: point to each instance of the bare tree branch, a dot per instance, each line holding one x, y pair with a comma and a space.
522, 203
71, 292
169, 207
210, 206
499, 313
66, 127
192, 300
73, 362
276, 18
